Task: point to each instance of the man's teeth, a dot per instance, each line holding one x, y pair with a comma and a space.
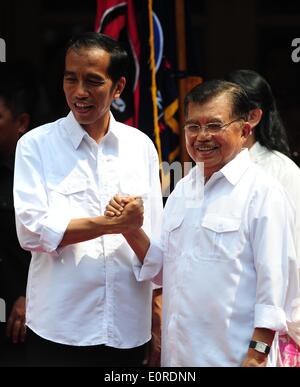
205, 148
82, 105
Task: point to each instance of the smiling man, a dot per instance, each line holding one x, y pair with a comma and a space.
84, 304
229, 263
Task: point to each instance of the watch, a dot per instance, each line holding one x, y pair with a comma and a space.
260, 346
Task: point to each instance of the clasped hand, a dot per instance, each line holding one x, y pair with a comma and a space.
129, 211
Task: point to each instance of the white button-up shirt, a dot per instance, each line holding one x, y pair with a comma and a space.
85, 293
228, 265
286, 172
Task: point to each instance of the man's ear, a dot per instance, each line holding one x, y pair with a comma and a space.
255, 117
246, 130
119, 87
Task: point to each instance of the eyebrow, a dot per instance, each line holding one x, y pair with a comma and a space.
209, 120
66, 73
89, 76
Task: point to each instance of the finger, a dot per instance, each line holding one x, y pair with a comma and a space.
139, 200
114, 204
113, 209
124, 199
121, 200
16, 330
23, 332
9, 327
109, 214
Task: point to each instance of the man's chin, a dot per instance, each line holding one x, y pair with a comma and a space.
82, 119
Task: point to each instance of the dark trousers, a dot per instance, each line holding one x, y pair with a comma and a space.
45, 353
11, 355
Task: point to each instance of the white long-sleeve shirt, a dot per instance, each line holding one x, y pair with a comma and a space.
228, 265
286, 172
84, 293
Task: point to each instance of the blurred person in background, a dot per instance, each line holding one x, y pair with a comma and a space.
17, 104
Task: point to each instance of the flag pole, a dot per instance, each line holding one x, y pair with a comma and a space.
182, 67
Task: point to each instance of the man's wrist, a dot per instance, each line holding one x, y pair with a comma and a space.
131, 233
258, 356
110, 225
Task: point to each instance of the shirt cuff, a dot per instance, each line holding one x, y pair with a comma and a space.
270, 317
53, 229
151, 269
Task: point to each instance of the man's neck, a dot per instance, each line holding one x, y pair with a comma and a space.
98, 129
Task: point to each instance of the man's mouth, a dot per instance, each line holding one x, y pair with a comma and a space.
205, 148
82, 107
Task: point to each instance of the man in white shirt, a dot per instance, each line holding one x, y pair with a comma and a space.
228, 263
84, 304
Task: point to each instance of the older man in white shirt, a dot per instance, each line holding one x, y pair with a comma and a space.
228, 263
84, 304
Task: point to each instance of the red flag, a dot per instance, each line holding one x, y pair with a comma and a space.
117, 18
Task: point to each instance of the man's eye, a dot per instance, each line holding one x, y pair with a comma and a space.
95, 83
192, 128
214, 126
70, 79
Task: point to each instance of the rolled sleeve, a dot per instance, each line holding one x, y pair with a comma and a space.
52, 232
40, 227
151, 269
270, 317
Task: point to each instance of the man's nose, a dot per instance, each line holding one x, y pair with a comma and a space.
203, 133
81, 90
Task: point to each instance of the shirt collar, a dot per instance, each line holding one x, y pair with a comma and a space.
232, 171
74, 130
112, 127
77, 133
235, 169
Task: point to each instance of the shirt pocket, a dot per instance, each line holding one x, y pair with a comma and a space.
220, 237
69, 194
173, 236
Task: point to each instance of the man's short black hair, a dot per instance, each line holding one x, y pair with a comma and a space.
208, 90
118, 56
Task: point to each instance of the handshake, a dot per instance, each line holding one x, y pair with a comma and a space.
126, 213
